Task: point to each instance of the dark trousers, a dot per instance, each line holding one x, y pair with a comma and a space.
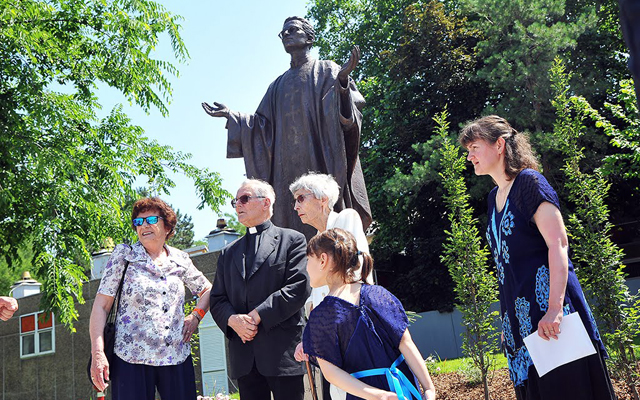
255, 386
139, 381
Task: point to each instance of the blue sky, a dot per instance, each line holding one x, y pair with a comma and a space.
235, 55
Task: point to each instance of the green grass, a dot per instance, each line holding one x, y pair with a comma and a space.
236, 395
460, 364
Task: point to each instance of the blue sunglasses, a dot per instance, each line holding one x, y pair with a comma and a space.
150, 220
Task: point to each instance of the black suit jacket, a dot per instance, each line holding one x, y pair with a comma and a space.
277, 286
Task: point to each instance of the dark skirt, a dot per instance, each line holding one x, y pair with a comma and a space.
584, 379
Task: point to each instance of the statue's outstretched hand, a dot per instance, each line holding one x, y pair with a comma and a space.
347, 68
217, 110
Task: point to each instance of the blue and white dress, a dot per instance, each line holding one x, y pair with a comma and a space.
521, 257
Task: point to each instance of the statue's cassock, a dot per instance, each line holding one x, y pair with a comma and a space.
297, 128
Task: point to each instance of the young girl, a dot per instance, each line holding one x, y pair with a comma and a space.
358, 334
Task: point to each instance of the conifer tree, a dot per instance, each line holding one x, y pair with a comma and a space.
521, 39
466, 258
600, 269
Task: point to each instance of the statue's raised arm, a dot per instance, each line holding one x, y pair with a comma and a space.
347, 69
217, 110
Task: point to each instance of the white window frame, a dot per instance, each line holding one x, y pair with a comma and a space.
36, 333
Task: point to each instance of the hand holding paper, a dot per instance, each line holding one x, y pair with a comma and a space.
574, 343
549, 325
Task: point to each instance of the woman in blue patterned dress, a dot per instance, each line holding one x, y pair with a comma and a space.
537, 282
358, 334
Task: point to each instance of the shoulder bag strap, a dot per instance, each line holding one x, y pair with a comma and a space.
116, 301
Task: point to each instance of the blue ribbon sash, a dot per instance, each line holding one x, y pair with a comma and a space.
398, 382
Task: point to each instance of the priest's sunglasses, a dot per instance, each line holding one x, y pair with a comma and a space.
244, 199
152, 220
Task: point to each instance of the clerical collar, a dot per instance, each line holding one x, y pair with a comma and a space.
298, 63
259, 228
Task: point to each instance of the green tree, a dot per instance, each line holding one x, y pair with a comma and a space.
466, 258
183, 239
233, 223
65, 173
9, 274
601, 271
417, 58
520, 40
597, 59
476, 56
625, 135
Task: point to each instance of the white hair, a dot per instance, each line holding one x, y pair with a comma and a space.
321, 185
261, 188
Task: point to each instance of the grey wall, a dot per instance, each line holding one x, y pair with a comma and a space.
440, 334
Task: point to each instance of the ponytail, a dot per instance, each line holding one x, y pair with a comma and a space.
367, 267
341, 246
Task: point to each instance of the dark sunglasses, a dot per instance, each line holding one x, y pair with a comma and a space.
300, 198
244, 199
152, 220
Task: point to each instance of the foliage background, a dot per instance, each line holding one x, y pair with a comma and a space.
477, 57
65, 173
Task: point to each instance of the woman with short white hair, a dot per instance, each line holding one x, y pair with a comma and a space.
314, 197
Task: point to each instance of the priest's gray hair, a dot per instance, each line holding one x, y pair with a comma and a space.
321, 185
261, 188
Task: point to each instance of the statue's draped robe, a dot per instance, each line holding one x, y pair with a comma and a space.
298, 128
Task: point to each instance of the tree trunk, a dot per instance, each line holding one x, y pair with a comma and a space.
628, 371
485, 384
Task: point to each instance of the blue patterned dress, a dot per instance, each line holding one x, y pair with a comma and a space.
358, 337
521, 257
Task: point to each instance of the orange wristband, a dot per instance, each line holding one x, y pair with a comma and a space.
200, 312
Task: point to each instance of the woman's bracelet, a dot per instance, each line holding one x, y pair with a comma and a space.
199, 312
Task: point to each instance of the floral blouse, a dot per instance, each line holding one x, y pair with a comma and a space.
151, 312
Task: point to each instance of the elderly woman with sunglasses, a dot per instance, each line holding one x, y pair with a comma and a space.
152, 349
314, 197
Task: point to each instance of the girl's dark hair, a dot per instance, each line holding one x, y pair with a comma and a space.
518, 154
341, 246
164, 210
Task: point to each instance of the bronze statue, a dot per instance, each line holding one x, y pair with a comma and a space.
309, 120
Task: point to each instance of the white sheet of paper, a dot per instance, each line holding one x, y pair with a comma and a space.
573, 343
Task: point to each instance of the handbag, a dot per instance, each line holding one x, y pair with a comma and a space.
109, 333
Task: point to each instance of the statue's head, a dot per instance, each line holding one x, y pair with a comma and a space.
296, 24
